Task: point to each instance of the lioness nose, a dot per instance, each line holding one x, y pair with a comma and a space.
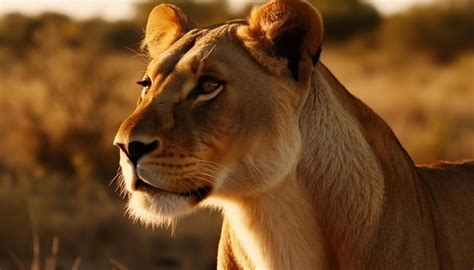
135, 150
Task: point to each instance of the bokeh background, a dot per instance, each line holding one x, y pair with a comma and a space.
68, 79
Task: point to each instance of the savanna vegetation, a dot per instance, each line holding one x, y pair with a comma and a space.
65, 85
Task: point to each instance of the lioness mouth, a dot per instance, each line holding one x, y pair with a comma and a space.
200, 193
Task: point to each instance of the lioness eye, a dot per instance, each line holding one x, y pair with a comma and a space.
145, 82
207, 88
209, 85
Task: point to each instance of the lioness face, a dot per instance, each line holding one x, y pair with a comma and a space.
211, 121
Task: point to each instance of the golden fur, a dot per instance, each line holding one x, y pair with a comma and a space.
306, 175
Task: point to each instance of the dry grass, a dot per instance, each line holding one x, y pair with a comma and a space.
429, 106
62, 98
61, 108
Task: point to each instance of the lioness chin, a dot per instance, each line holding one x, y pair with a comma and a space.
243, 117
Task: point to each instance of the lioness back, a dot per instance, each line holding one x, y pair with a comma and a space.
450, 186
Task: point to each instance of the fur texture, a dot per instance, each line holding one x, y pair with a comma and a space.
305, 174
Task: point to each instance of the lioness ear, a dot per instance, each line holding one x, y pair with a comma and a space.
166, 24
289, 29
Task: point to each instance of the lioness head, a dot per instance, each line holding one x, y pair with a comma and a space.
219, 110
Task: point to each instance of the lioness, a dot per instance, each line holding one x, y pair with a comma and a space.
243, 117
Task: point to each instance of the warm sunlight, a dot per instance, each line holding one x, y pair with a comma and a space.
393, 6
287, 140
80, 9
123, 9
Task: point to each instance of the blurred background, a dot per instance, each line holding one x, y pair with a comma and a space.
67, 79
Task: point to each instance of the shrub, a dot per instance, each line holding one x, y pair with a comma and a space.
441, 32
344, 19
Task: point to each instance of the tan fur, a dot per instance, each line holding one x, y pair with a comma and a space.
166, 24
306, 175
284, 22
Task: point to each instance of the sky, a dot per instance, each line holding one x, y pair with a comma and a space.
123, 9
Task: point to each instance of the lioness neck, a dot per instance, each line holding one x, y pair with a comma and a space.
277, 230
325, 212
340, 170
